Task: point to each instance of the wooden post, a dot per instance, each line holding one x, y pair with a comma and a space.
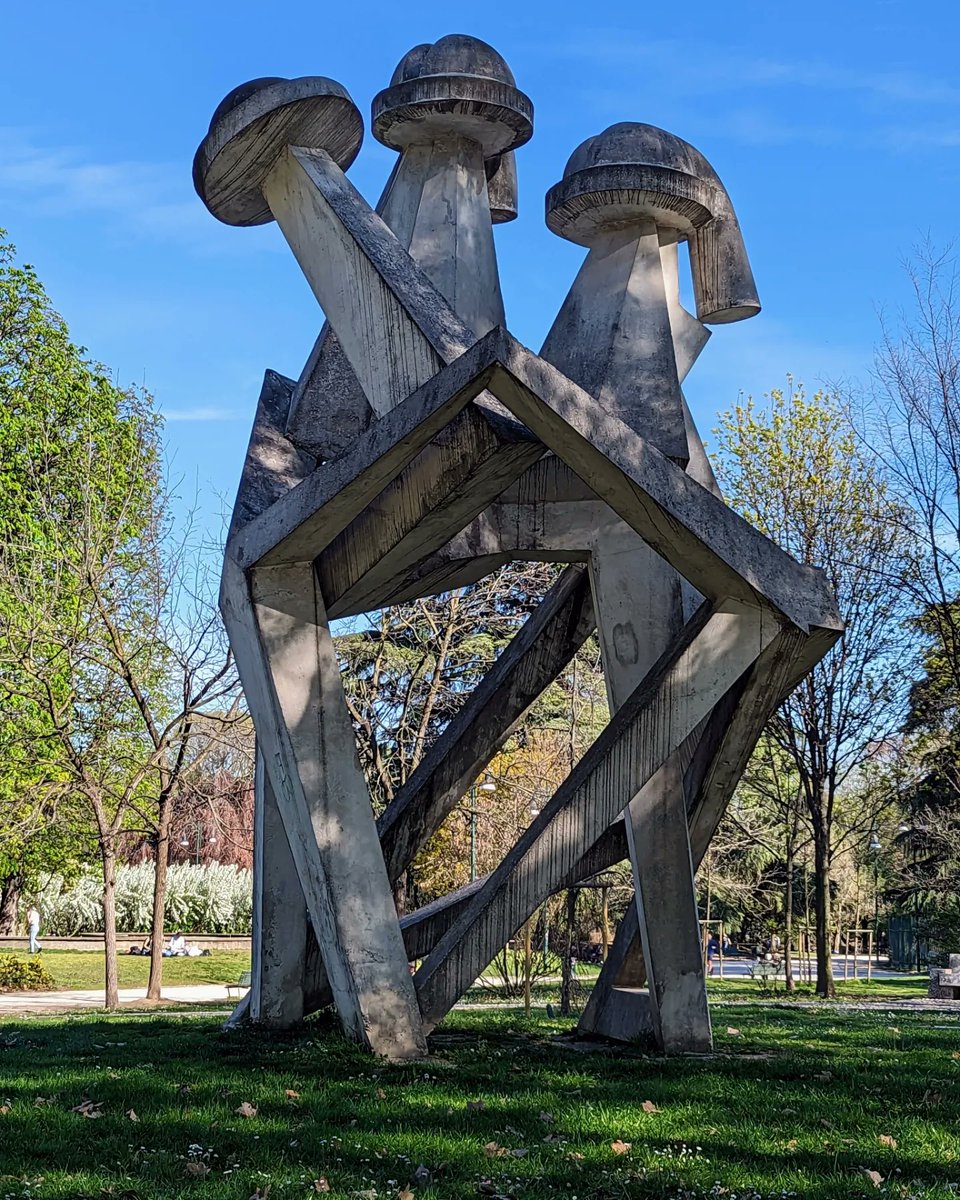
605, 920
527, 955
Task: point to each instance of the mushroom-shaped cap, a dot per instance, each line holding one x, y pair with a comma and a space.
633, 172
455, 54
458, 85
253, 124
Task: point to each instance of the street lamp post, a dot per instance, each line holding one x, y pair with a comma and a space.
875, 851
488, 785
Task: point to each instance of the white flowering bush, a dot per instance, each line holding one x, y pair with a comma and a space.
207, 899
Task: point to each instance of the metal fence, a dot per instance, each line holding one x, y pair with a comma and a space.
907, 951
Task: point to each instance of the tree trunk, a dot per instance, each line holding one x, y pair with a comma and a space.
10, 888
161, 864
790, 982
566, 973
823, 866
109, 857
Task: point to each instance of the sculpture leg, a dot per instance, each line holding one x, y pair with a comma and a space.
639, 605
279, 916
277, 623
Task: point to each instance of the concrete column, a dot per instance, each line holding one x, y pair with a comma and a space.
279, 916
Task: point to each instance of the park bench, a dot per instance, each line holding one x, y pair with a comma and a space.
242, 984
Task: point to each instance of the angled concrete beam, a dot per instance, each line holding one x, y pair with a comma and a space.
714, 651
423, 928
711, 776
291, 679
705, 541
640, 612
272, 465
394, 326
535, 656
462, 471
310, 516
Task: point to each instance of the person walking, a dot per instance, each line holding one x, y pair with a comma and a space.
33, 925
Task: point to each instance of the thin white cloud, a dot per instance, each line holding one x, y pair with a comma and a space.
700, 68
200, 413
145, 199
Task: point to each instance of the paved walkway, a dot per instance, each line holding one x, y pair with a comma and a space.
15, 1003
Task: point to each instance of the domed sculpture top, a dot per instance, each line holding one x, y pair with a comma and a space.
457, 85
634, 172
254, 123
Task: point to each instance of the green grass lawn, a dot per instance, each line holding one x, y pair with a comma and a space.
795, 1103
84, 969
903, 987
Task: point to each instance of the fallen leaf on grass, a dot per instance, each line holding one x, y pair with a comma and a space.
874, 1176
261, 1193
198, 1170
619, 1147
547, 1117
322, 1184
131, 1115
475, 1106
406, 1194
648, 1106
931, 1098
732, 1032
246, 1109
887, 1140
827, 1124
955, 1054
89, 1109
493, 1150
422, 1175
575, 1156
519, 1153
291, 1094
825, 1076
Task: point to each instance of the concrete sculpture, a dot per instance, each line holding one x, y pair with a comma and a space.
421, 447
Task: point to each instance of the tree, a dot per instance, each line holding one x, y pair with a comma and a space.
61, 417
913, 426
795, 468
107, 656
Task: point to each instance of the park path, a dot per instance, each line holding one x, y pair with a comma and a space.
16, 1004
19, 1003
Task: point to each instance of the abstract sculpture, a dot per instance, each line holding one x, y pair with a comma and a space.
423, 447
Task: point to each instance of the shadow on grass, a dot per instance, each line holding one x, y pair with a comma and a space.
797, 1101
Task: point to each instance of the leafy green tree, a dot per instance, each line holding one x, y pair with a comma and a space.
62, 420
110, 647
796, 469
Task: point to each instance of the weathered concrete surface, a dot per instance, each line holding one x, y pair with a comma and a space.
712, 654
273, 465
452, 452
639, 604
613, 337
440, 201
633, 170
279, 927
715, 768
289, 671
253, 124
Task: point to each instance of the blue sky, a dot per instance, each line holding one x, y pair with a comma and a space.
836, 128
